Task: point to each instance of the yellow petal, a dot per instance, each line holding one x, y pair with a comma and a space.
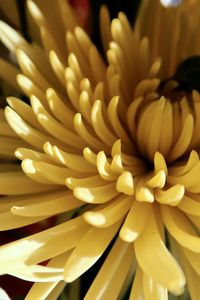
110, 214
184, 139
125, 183
113, 273
137, 287
85, 182
193, 279
60, 108
180, 228
83, 132
62, 201
100, 127
172, 196
191, 179
134, 224
37, 273
85, 254
73, 161
116, 164
98, 194
189, 206
159, 163
104, 167
185, 168
143, 193
161, 267
158, 180
43, 245
10, 221
193, 258
16, 183
43, 290
115, 122
152, 290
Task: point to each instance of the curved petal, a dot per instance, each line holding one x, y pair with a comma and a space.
85, 255
164, 269
112, 274
180, 228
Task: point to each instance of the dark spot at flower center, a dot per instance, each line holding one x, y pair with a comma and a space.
188, 74
185, 79
173, 90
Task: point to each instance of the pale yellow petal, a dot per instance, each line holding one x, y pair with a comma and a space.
134, 224
100, 194
137, 286
180, 228
125, 183
161, 267
110, 214
152, 290
10, 221
112, 274
43, 245
62, 201
85, 255
16, 183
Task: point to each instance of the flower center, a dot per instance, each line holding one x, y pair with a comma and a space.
164, 122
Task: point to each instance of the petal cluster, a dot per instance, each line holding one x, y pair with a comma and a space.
109, 146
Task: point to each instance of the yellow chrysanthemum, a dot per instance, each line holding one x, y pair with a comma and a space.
115, 142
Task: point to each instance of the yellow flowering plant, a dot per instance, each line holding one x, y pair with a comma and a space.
111, 145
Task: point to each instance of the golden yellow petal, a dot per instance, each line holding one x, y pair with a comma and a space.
24, 153
137, 286
152, 290
116, 164
104, 168
100, 127
171, 196
193, 279
100, 194
159, 163
62, 201
125, 183
24, 110
57, 66
116, 124
73, 161
83, 132
10, 221
190, 206
112, 274
43, 245
60, 109
37, 273
184, 139
158, 180
143, 193
8, 73
164, 269
180, 228
84, 255
185, 168
26, 132
87, 182
16, 183
134, 224
109, 214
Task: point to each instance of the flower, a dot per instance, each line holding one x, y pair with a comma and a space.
113, 146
